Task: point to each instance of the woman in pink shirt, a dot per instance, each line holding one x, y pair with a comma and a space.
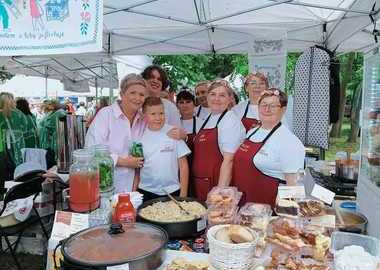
118, 126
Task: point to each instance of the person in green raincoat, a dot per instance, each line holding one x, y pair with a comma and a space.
31, 136
47, 130
13, 123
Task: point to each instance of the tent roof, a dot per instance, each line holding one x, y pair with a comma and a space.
76, 68
140, 27
227, 26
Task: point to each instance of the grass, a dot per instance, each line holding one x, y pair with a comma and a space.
341, 144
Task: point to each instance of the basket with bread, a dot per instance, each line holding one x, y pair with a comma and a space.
231, 246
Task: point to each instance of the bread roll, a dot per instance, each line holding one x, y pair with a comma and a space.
223, 235
240, 234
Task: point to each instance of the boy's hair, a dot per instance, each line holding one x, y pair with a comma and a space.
150, 102
185, 95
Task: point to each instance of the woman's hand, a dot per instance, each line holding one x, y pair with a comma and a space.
177, 134
130, 162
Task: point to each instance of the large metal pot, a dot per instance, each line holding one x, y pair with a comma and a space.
179, 230
135, 246
354, 222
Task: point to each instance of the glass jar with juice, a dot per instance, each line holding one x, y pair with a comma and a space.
84, 182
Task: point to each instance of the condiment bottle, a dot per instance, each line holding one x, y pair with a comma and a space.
124, 211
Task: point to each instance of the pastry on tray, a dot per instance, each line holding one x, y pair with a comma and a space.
184, 264
287, 207
311, 208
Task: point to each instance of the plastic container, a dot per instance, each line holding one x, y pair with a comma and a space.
339, 240
348, 205
84, 182
223, 197
124, 211
106, 167
221, 215
255, 215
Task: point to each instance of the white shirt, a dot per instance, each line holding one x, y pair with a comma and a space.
81, 111
253, 112
231, 132
203, 113
172, 116
188, 125
282, 153
112, 128
239, 109
161, 155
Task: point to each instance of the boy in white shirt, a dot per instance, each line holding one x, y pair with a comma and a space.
163, 157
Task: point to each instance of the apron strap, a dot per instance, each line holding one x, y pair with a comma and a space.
217, 123
199, 110
269, 135
205, 122
246, 109
194, 125
221, 117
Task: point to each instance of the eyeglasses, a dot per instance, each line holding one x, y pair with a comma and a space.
271, 107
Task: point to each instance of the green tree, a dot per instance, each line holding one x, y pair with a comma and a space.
187, 70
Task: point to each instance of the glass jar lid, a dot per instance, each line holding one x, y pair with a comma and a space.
101, 245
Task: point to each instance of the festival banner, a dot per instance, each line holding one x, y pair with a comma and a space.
40, 27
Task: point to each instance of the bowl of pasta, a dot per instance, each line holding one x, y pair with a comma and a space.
186, 220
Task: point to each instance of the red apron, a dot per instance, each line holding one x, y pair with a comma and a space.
207, 159
248, 123
256, 186
190, 144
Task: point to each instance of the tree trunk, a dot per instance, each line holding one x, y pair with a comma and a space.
355, 114
345, 79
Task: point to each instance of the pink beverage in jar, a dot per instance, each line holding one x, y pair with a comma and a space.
84, 191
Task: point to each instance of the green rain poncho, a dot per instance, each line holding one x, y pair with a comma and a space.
14, 127
31, 137
47, 131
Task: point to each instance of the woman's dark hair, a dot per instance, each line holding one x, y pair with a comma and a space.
147, 74
23, 105
185, 95
236, 97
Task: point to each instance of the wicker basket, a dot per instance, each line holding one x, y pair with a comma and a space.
225, 256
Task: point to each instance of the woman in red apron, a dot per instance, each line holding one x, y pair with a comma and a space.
254, 85
190, 123
256, 185
216, 142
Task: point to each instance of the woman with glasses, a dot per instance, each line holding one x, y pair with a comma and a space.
270, 155
216, 142
247, 111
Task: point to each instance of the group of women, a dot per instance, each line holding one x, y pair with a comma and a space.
19, 130
246, 146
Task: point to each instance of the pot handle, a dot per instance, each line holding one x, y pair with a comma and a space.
116, 228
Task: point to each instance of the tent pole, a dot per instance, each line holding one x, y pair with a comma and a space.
128, 7
304, 4
46, 81
96, 90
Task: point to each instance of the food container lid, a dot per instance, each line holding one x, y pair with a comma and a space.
105, 245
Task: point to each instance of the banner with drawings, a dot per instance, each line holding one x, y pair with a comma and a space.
269, 57
39, 27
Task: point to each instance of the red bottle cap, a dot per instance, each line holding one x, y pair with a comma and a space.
124, 197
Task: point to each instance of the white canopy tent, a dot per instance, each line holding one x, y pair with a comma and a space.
228, 26
139, 27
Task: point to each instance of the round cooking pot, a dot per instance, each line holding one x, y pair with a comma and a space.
354, 222
180, 230
141, 246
